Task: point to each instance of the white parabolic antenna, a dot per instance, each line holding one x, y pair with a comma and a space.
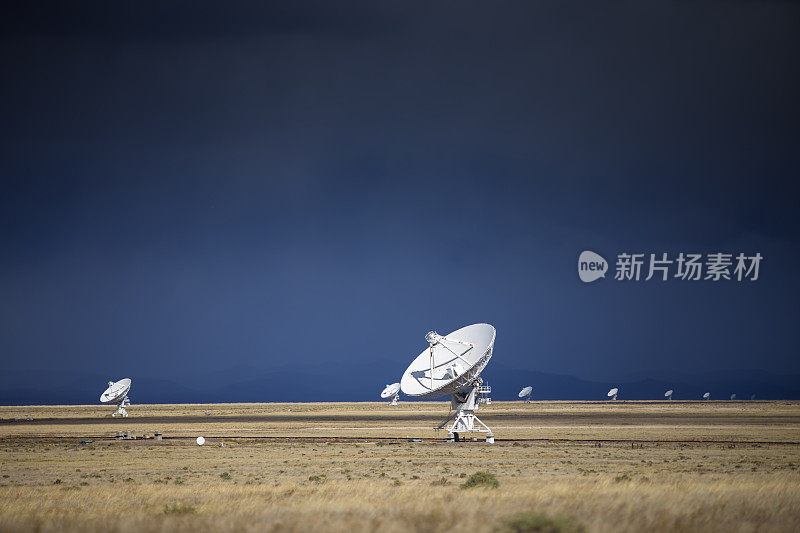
526, 393
391, 391
668, 394
706, 396
613, 393
117, 392
200, 441
733, 396
451, 365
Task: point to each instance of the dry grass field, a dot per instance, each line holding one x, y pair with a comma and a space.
566, 466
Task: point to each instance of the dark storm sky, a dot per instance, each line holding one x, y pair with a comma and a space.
190, 189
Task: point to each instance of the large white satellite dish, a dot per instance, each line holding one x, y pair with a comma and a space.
451, 365
668, 394
391, 391
706, 396
733, 396
526, 393
613, 393
118, 393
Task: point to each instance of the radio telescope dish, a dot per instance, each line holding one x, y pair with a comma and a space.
526, 393
451, 365
706, 396
733, 396
668, 394
118, 393
613, 393
391, 391
200, 441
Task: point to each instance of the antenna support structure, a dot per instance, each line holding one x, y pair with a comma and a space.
121, 408
463, 405
483, 394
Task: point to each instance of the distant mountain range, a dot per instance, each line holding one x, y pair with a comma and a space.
507, 382
364, 383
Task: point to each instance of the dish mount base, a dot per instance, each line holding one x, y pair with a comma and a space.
464, 404
121, 408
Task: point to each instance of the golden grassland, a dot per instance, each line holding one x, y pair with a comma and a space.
747, 480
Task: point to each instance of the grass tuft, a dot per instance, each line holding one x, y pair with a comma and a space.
530, 522
481, 479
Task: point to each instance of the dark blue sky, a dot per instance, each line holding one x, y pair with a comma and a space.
205, 191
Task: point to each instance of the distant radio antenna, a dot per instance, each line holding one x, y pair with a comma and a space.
733, 396
613, 393
707, 395
525, 394
118, 393
391, 391
668, 394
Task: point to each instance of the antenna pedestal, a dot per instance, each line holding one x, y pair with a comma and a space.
121, 408
464, 420
394, 399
